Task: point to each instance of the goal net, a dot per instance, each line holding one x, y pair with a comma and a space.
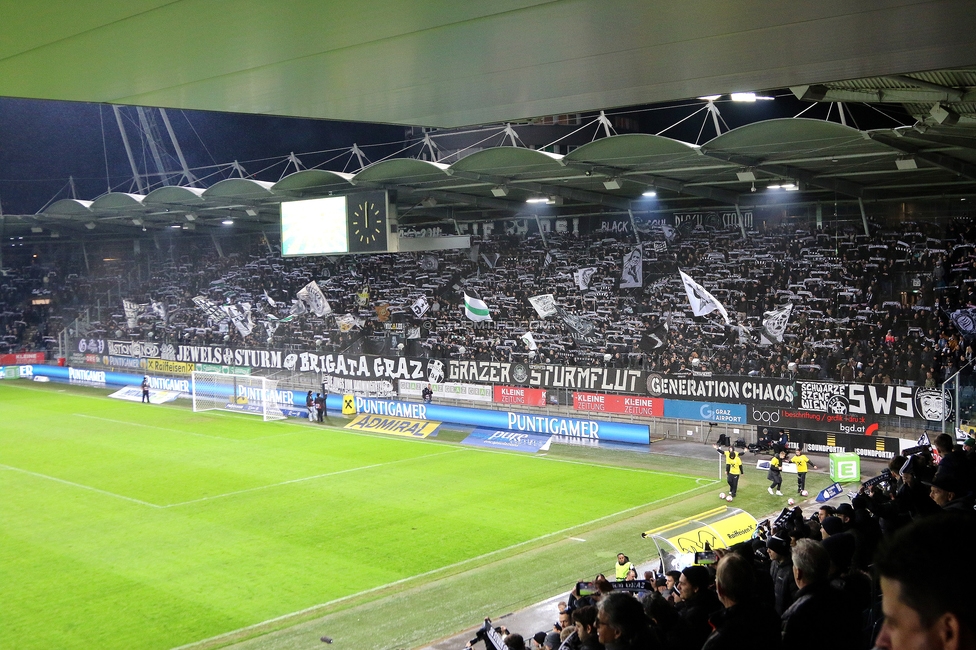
244, 394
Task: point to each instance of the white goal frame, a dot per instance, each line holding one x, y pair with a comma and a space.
237, 393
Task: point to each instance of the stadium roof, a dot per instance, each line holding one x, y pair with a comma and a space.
448, 63
749, 167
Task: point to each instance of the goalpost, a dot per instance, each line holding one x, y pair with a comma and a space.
239, 393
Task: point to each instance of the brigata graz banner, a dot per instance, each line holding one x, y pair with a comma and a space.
932, 404
616, 380
722, 388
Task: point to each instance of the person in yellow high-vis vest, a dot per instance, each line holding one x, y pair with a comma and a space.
623, 567
733, 468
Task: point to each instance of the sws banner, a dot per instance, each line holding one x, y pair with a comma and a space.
931, 404
721, 388
769, 417
618, 380
866, 446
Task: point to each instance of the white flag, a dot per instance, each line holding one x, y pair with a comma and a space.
633, 269
774, 325
420, 307
317, 303
347, 321
702, 302
544, 304
132, 312
583, 277
159, 309
474, 307
530, 341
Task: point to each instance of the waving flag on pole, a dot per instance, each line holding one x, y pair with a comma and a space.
633, 269
544, 304
474, 307
774, 325
312, 294
702, 302
657, 338
583, 277
529, 341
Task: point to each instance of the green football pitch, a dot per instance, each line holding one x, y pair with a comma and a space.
125, 525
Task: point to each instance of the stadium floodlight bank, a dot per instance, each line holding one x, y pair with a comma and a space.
239, 393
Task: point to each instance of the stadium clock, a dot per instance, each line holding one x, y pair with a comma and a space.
367, 222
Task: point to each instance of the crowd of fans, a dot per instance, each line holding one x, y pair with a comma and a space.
866, 309
887, 568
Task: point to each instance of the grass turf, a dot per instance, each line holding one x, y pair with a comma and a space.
127, 525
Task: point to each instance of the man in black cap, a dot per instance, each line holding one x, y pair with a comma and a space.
698, 603
950, 494
781, 571
930, 608
744, 622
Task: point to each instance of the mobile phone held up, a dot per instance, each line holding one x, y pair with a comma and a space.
705, 558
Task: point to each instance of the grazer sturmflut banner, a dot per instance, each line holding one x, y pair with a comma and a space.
722, 388
932, 404
616, 380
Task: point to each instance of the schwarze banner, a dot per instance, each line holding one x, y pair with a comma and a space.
722, 388
931, 404
618, 380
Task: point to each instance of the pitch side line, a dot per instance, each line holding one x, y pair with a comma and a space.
79, 485
448, 567
306, 478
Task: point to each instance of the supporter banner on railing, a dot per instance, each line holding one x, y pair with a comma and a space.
343, 385
721, 388
619, 380
462, 392
866, 446
132, 349
705, 411
21, 358
622, 404
932, 404
519, 395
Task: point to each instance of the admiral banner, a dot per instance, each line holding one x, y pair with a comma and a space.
519, 395
720, 388
619, 380
931, 404
624, 405
826, 443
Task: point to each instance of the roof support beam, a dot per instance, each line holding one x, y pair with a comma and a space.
952, 94
949, 163
662, 182
584, 196
786, 171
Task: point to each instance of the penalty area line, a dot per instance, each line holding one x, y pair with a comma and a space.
449, 567
79, 485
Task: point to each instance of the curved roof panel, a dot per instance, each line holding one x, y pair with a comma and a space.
68, 207
632, 150
511, 161
174, 194
117, 201
239, 188
793, 138
313, 180
402, 170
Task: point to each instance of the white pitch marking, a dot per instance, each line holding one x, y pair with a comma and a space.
306, 478
341, 599
151, 426
79, 485
577, 539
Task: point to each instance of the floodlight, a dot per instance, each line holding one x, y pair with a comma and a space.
746, 176
906, 163
612, 184
649, 194
499, 191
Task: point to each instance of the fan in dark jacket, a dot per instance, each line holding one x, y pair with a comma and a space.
698, 602
781, 571
744, 623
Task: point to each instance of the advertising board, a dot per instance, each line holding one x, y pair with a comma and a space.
705, 411
619, 404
